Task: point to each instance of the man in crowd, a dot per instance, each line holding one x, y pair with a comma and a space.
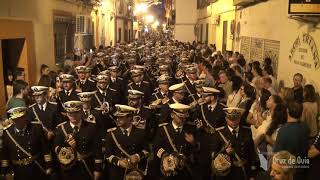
84, 83
105, 97
140, 85
126, 148
77, 145
237, 143
43, 111
298, 87
68, 93
24, 151
177, 139
297, 144
20, 92
283, 166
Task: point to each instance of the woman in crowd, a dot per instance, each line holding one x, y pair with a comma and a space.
310, 110
248, 95
258, 109
257, 73
278, 118
235, 98
258, 134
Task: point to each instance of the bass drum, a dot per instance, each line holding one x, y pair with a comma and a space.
221, 164
171, 164
67, 157
134, 175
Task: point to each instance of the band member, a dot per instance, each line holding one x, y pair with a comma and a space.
77, 145
24, 152
117, 82
176, 142
235, 146
164, 70
126, 147
140, 85
100, 63
105, 97
163, 91
84, 83
44, 111
210, 112
190, 86
92, 115
143, 118
198, 85
68, 93
178, 92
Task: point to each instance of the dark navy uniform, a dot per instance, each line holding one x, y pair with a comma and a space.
65, 96
48, 116
191, 91
33, 140
158, 95
98, 68
87, 85
132, 143
103, 121
88, 145
213, 114
111, 96
162, 146
119, 85
144, 87
243, 145
148, 121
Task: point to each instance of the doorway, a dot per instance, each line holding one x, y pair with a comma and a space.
64, 30
13, 54
224, 36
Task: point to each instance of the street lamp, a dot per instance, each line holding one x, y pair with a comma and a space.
140, 8
149, 19
155, 24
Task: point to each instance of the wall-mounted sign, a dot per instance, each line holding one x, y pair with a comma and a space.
304, 7
257, 49
304, 52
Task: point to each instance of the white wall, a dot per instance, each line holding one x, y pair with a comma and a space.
226, 11
186, 17
270, 20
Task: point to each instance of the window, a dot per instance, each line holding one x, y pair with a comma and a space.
207, 33
119, 35
201, 29
64, 30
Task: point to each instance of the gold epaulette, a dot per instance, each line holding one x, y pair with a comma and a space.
111, 129
146, 82
112, 89
120, 78
163, 124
